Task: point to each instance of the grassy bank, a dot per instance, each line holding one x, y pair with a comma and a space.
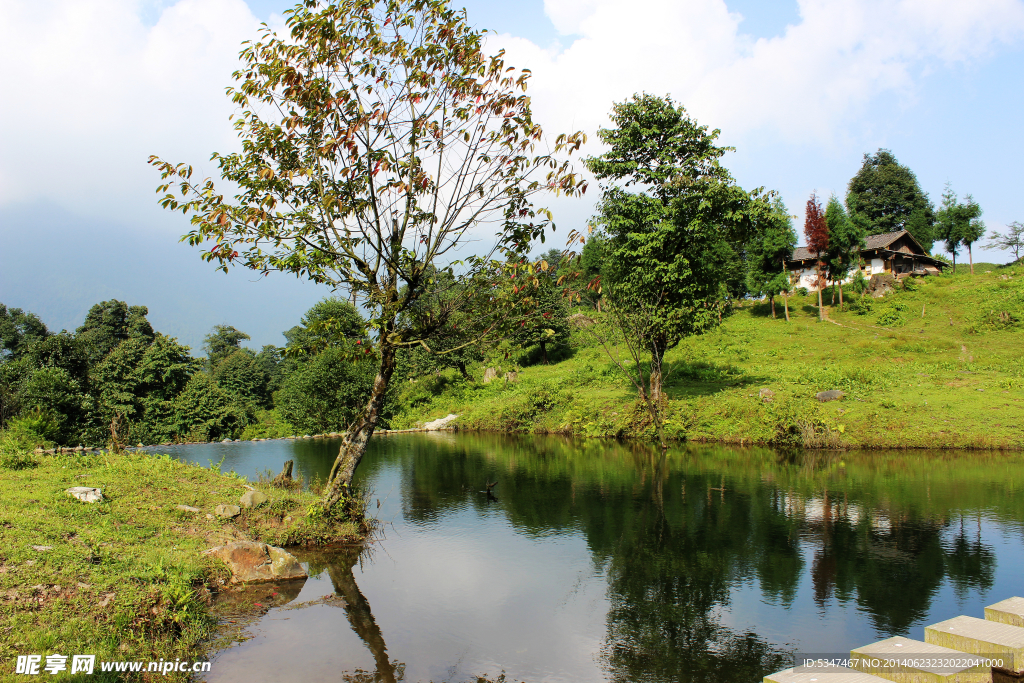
937, 364
124, 579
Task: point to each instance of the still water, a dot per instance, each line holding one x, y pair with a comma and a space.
597, 561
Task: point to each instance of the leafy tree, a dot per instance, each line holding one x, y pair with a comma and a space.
109, 323
592, 259
960, 224
332, 322
886, 196
816, 233
203, 411
18, 330
1012, 241
395, 134
326, 392
845, 241
242, 376
666, 246
222, 341
768, 252
55, 392
547, 321
271, 362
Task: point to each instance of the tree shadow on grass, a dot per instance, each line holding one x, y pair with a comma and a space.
689, 378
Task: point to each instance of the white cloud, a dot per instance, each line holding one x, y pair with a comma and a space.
92, 92
809, 84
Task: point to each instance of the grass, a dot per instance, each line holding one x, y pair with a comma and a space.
125, 579
936, 364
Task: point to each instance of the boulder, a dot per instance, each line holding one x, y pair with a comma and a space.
227, 511
186, 508
511, 377
830, 395
440, 423
253, 499
86, 494
766, 395
252, 562
490, 374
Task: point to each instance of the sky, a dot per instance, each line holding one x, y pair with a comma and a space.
801, 89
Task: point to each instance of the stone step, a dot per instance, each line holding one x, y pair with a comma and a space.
833, 674
1009, 611
911, 661
980, 637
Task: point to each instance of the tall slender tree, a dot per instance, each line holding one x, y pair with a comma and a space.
960, 224
845, 241
767, 254
816, 233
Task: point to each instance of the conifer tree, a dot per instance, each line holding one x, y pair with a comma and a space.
816, 232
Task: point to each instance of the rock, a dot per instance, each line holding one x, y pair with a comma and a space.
42, 548
440, 423
766, 395
187, 508
209, 516
511, 377
490, 374
830, 395
86, 494
250, 562
253, 499
225, 440
227, 511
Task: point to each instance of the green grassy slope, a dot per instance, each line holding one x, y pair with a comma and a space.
939, 366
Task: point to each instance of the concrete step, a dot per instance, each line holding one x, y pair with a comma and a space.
1009, 611
910, 661
833, 674
980, 637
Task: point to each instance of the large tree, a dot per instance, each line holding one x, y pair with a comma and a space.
669, 244
845, 241
885, 196
959, 224
816, 233
374, 138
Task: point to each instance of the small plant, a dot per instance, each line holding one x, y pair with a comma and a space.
893, 315
802, 291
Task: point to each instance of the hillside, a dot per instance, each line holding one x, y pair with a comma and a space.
939, 364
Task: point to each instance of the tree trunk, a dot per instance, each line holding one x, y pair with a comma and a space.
353, 446
821, 316
971, 257
773, 307
656, 398
598, 304
785, 301
544, 352
840, 296
462, 369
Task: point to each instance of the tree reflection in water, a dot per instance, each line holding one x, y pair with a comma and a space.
339, 565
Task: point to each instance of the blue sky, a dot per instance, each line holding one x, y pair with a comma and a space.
801, 89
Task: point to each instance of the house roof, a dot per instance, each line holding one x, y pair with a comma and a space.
871, 242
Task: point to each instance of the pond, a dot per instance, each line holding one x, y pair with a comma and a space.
595, 561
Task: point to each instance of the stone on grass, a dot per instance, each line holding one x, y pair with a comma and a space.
766, 395
186, 508
86, 494
830, 395
490, 374
251, 562
42, 548
227, 511
253, 499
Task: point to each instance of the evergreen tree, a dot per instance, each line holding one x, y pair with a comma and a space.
886, 197
768, 252
109, 323
845, 241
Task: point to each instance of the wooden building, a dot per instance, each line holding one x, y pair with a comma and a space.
897, 253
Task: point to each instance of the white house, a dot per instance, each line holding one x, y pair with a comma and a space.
897, 253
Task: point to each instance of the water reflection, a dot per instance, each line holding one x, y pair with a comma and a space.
597, 561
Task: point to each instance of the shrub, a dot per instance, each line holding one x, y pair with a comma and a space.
893, 315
